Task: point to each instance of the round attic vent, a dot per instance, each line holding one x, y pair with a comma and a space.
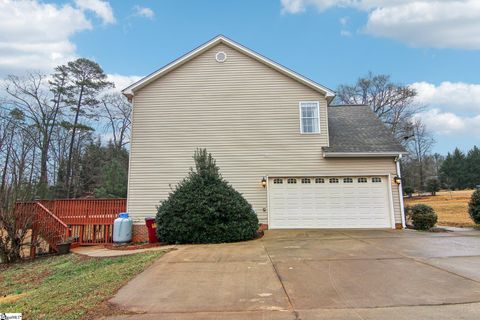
221, 56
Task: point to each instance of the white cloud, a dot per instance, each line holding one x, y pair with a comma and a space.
144, 12
453, 108
36, 35
121, 82
344, 32
293, 6
296, 6
343, 21
458, 96
101, 8
450, 124
423, 23
440, 24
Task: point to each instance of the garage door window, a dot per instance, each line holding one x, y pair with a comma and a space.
278, 181
362, 180
319, 180
347, 180
333, 180
306, 180
376, 180
291, 181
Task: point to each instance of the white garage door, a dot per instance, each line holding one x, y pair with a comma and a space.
329, 202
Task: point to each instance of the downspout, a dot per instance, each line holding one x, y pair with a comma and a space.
400, 190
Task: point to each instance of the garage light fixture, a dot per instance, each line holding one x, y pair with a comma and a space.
397, 180
264, 182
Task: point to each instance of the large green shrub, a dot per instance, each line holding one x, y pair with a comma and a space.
474, 207
204, 208
423, 217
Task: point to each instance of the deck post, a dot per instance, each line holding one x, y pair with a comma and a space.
82, 230
33, 244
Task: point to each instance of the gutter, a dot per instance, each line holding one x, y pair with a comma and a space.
400, 191
327, 154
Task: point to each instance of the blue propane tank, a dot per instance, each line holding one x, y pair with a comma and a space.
122, 228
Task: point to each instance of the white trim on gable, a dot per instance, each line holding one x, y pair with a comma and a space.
129, 92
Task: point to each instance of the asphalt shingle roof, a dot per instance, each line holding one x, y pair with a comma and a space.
355, 128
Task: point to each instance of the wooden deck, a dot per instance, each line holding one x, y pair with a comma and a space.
84, 221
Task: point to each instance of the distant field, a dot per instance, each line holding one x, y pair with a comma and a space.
450, 206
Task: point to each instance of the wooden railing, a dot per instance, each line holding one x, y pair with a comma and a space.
49, 227
86, 211
43, 223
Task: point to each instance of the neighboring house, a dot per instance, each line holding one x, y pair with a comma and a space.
324, 167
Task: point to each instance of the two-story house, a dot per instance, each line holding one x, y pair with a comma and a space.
300, 162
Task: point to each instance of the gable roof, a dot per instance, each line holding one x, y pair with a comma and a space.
130, 90
354, 130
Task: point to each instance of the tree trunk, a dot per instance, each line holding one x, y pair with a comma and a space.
72, 142
43, 161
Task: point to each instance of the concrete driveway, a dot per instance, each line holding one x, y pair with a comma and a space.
314, 274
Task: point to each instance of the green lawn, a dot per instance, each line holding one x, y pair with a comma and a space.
69, 286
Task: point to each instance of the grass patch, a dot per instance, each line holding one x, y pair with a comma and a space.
450, 206
68, 286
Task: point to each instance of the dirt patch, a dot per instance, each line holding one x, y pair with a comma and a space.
450, 206
31, 279
12, 297
107, 309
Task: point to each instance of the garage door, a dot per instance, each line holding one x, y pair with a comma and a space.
329, 202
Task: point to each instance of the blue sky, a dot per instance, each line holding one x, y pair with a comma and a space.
419, 43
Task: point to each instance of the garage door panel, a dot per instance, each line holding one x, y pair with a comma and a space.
345, 204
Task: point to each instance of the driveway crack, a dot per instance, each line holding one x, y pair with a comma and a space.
290, 303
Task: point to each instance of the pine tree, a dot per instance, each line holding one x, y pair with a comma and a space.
114, 181
433, 186
473, 167
453, 170
91, 168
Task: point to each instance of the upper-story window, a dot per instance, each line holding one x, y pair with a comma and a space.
309, 117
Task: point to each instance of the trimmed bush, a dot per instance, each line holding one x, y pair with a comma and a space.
205, 208
474, 206
423, 217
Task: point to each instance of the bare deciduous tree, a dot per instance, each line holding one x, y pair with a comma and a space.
393, 103
14, 230
117, 112
39, 100
420, 147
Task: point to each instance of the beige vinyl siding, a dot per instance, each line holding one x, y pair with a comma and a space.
246, 114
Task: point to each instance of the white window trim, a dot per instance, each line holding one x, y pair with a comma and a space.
300, 116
